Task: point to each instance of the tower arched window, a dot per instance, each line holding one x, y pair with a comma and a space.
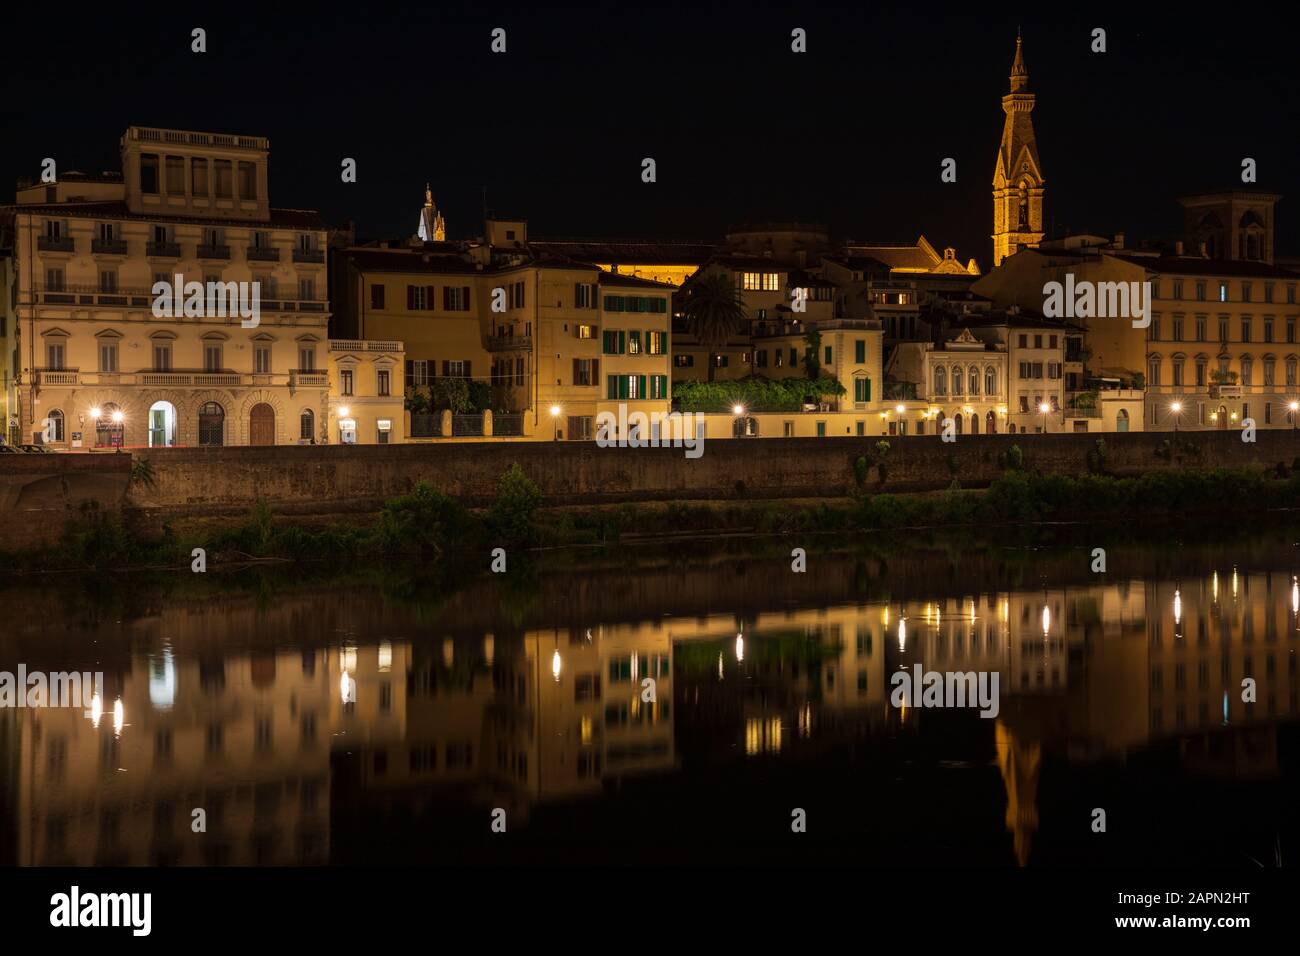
940, 381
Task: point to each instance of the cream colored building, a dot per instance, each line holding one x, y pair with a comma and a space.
98, 368
964, 380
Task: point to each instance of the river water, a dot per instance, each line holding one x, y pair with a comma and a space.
700, 708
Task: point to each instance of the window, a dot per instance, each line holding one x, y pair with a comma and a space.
212, 419
1223, 328
212, 357
749, 280
418, 297
307, 289
1268, 328
54, 356
1270, 365
973, 381
859, 351
382, 377
1245, 328
940, 381
54, 426
827, 360
199, 177
176, 175
247, 181
585, 331
956, 381
1178, 328
614, 342
307, 358
990, 381
108, 280
1247, 367
376, 295
224, 176
586, 371
1178, 288
771, 281
1200, 328
345, 381
584, 295
1024, 341
1178, 372
634, 343
862, 389
1245, 291
1223, 292
1153, 371
1291, 371
149, 173
162, 356
54, 279
262, 359
108, 356
456, 298
1200, 291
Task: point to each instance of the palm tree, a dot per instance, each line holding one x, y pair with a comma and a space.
714, 313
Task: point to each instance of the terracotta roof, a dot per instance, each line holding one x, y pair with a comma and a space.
633, 282
394, 260
1198, 266
286, 218
617, 252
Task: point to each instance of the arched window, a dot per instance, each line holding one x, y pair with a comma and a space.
1290, 369
990, 381
1153, 370
109, 430
956, 422
940, 381
212, 424
307, 425
956, 380
1247, 366
974, 380
54, 428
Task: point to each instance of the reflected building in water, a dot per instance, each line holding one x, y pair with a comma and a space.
271, 745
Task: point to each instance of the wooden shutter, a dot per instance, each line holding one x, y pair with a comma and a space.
410, 372
464, 303
446, 367
640, 392
575, 371
622, 342
469, 369
410, 297
595, 371
577, 295
611, 387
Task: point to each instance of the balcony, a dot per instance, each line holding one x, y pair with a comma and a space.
58, 376
55, 244
308, 255
1093, 412
88, 295
263, 254
308, 378
108, 247
162, 250
214, 252
503, 343
364, 345
1226, 391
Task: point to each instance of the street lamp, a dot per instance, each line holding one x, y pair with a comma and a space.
1294, 407
1176, 408
555, 422
1044, 408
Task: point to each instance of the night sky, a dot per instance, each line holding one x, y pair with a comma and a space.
850, 134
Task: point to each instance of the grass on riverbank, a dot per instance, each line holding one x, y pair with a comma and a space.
434, 528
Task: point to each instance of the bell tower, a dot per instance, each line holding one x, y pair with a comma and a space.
1018, 176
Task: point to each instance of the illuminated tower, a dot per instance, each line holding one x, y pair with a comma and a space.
432, 227
1018, 177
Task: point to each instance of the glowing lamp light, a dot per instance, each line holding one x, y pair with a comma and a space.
555, 411
1047, 620
1044, 408
737, 409
1176, 407
555, 665
344, 411
900, 409
119, 717
1294, 406
118, 417
95, 413
1178, 606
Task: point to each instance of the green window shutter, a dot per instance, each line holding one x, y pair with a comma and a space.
828, 355
622, 386
794, 358
868, 398
640, 389
622, 342
859, 351
611, 387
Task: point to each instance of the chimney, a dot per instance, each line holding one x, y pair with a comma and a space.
1178, 248
1119, 240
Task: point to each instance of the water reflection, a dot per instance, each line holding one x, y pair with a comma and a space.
364, 708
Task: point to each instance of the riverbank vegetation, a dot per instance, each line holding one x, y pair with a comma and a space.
430, 527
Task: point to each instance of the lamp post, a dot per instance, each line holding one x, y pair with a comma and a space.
1176, 408
1044, 408
555, 422
1293, 407
737, 413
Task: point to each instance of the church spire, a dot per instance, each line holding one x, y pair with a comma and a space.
432, 227
1019, 75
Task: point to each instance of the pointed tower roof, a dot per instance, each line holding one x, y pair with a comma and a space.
432, 228
1019, 75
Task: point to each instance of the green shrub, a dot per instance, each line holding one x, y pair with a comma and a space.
425, 522
511, 517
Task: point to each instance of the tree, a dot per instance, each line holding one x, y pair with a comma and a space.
714, 313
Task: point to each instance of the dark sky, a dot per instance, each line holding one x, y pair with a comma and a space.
850, 134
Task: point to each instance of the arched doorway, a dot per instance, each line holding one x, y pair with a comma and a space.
956, 422
991, 423
162, 425
261, 425
1121, 420
1223, 417
974, 424
212, 424
109, 429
